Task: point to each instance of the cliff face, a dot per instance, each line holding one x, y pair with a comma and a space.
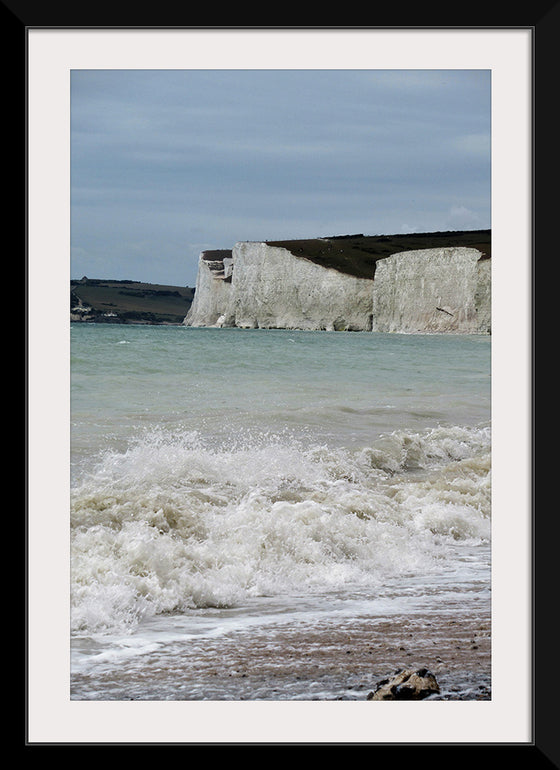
271, 288
433, 291
213, 290
264, 285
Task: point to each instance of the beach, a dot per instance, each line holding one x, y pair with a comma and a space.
278, 515
333, 660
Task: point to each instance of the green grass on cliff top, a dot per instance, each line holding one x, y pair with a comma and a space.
357, 254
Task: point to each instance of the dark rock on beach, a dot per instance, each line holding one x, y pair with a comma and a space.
406, 684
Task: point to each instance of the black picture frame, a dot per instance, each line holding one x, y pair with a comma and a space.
544, 750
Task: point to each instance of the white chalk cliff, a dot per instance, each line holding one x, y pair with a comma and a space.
269, 287
213, 290
433, 291
257, 285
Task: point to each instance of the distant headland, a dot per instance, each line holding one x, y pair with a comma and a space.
94, 300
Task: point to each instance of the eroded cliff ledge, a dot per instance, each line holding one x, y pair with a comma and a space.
420, 283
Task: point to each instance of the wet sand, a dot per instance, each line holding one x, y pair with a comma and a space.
331, 660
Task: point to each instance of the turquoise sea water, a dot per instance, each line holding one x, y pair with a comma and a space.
226, 479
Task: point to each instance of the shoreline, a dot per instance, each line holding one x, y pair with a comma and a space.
328, 660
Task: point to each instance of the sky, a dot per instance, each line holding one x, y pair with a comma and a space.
168, 163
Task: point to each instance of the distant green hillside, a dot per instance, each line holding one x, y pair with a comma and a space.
358, 254
106, 301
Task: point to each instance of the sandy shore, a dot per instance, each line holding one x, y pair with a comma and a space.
345, 661
331, 660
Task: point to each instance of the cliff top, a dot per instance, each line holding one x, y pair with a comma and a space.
216, 254
357, 254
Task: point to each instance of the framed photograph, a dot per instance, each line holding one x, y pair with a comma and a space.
249, 516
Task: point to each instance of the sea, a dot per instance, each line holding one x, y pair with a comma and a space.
243, 499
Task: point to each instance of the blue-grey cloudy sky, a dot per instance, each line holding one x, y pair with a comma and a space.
166, 164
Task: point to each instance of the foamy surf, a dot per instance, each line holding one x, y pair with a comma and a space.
172, 524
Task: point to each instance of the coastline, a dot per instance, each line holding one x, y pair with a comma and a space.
333, 659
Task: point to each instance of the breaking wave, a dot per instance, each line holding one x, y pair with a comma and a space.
173, 523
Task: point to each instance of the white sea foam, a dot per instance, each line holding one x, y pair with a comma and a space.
175, 522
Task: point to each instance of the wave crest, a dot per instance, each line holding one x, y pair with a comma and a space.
174, 523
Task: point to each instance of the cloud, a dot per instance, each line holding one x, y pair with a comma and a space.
172, 159
463, 218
